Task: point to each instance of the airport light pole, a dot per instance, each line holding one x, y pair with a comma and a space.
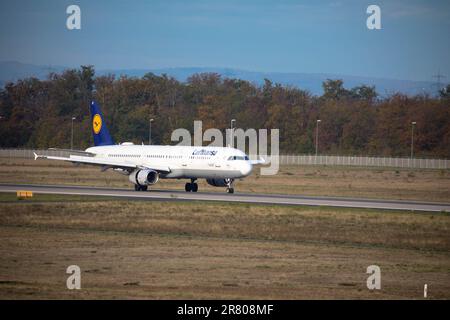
412, 138
150, 131
232, 124
71, 135
317, 135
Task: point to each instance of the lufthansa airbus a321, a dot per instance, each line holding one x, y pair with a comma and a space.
146, 164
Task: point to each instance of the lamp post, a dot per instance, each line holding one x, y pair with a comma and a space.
232, 123
150, 131
71, 135
412, 138
317, 135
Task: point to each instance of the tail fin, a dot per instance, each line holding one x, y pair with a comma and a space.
99, 129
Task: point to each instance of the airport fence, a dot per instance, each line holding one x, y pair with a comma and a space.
361, 161
301, 160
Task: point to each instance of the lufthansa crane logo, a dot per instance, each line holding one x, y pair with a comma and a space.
97, 123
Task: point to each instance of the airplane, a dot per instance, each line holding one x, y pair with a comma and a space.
146, 164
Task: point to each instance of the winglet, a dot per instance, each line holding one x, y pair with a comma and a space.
260, 161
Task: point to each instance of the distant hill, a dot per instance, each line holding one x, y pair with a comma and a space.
12, 71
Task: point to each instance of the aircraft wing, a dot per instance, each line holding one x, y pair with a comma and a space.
103, 162
78, 152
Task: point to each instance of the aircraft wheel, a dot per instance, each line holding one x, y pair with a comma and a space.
194, 187
137, 187
188, 187
144, 188
230, 190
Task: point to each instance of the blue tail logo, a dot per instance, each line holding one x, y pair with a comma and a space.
99, 129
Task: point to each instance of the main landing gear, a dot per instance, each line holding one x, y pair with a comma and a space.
191, 186
138, 187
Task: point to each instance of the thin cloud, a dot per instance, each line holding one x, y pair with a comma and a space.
413, 10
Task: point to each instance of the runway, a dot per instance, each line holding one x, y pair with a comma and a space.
268, 199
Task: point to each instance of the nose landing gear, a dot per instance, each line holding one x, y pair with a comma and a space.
230, 186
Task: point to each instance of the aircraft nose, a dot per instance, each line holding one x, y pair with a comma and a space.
246, 168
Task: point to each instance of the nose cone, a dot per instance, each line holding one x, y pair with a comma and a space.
246, 168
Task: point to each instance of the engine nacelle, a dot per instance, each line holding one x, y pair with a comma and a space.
144, 177
218, 182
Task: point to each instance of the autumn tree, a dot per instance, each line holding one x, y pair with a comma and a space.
37, 113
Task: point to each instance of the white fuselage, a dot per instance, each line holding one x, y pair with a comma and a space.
183, 161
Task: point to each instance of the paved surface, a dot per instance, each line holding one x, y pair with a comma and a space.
155, 194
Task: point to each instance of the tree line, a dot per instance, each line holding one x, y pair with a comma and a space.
356, 121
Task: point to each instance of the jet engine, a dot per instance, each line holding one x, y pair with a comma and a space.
144, 177
218, 182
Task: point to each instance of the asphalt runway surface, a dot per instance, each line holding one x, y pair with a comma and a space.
275, 199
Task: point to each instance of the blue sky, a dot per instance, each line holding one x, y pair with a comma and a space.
327, 36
